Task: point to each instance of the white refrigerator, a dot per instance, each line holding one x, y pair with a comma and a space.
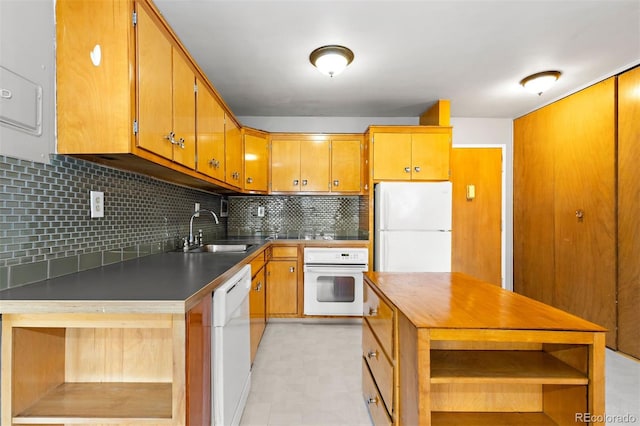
412, 227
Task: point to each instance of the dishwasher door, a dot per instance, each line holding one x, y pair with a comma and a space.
231, 355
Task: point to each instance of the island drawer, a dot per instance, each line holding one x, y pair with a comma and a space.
381, 317
380, 366
372, 398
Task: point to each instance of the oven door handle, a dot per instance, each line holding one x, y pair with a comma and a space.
332, 269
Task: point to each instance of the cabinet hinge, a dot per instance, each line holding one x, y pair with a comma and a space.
195, 88
135, 127
134, 18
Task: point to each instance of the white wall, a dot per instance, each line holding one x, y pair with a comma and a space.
27, 42
493, 131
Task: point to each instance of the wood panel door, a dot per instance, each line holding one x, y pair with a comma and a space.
257, 310
314, 166
184, 111
210, 133
533, 201
392, 156
628, 212
155, 93
477, 235
346, 159
585, 205
285, 165
430, 156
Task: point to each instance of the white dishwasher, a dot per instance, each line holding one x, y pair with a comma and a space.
231, 363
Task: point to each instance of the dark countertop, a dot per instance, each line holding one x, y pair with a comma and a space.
170, 281
161, 283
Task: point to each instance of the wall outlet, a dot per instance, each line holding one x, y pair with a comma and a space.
260, 211
97, 203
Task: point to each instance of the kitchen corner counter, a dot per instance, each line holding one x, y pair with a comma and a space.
162, 283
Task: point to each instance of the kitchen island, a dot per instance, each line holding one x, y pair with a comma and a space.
449, 349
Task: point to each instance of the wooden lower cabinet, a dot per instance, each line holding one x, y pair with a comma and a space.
198, 360
80, 368
284, 277
257, 302
465, 352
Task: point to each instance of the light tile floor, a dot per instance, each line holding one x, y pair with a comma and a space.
309, 373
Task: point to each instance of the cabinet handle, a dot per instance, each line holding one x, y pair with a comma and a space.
171, 138
249, 180
304, 181
417, 169
580, 214
336, 182
373, 311
372, 354
214, 163
292, 269
180, 143
296, 182
407, 169
259, 286
372, 400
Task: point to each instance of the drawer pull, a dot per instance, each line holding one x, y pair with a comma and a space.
372, 354
372, 400
373, 311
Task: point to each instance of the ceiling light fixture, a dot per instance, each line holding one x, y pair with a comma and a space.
540, 82
331, 60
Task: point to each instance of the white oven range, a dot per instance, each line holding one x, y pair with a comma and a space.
333, 280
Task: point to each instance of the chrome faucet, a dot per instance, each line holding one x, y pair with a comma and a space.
191, 237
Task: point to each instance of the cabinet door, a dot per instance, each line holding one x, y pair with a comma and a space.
257, 310
282, 297
155, 121
255, 162
285, 165
233, 155
198, 362
345, 166
314, 166
430, 154
392, 156
184, 112
210, 125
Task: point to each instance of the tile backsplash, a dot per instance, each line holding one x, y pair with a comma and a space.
46, 229
295, 216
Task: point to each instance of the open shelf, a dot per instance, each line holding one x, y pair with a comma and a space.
96, 402
491, 419
524, 367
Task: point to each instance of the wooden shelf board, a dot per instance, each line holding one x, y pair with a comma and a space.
490, 419
530, 367
100, 402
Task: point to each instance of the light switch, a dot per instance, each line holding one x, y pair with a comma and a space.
471, 192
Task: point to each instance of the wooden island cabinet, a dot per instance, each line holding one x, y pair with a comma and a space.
449, 349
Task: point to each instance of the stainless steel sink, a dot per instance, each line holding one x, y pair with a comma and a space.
221, 248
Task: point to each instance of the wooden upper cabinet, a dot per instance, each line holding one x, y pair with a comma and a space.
285, 165
184, 112
301, 165
210, 135
314, 166
346, 165
95, 113
166, 95
256, 166
411, 153
233, 153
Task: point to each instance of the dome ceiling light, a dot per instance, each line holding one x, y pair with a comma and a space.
540, 82
332, 59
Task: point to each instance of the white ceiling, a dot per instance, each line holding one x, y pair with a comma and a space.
408, 54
